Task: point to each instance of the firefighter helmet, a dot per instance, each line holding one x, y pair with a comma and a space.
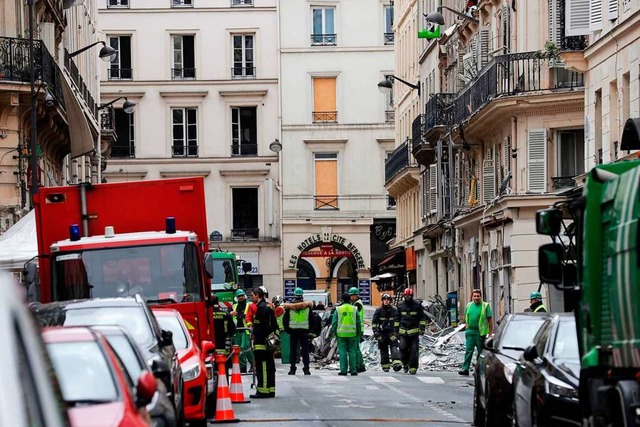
386, 296
408, 292
277, 300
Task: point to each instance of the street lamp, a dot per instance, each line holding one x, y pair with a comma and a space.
386, 85
107, 53
127, 106
437, 18
275, 146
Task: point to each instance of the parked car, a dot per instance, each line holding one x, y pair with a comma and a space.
160, 408
493, 391
93, 381
194, 371
133, 314
26, 368
546, 378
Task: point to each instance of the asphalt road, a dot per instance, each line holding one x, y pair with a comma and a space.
372, 398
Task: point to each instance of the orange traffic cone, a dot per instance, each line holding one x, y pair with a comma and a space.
237, 395
224, 410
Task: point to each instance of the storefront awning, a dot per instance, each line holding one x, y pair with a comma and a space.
393, 260
82, 139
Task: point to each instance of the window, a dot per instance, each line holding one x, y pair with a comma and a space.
244, 138
124, 145
243, 63
235, 3
326, 180
181, 3
117, 3
388, 25
245, 214
323, 31
570, 161
183, 57
120, 67
185, 132
324, 100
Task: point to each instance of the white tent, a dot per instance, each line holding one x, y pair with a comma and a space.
19, 243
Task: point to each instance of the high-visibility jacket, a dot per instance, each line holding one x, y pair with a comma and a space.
345, 321
540, 308
299, 319
240, 321
483, 323
360, 306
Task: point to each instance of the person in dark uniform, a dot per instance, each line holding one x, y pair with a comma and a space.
264, 323
224, 327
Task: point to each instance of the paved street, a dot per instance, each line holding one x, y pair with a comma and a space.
373, 398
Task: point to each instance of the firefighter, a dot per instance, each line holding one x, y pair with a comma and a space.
354, 294
264, 323
411, 322
297, 323
384, 330
346, 325
223, 326
242, 336
536, 303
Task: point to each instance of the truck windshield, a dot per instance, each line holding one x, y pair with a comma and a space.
156, 272
223, 274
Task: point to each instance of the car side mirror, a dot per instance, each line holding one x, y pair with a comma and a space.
530, 354
166, 338
207, 349
160, 368
146, 389
488, 344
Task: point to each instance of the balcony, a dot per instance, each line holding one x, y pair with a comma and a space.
120, 74
183, 73
562, 182
244, 149
325, 117
184, 151
82, 87
323, 39
245, 234
398, 161
506, 75
437, 118
388, 38
243, 73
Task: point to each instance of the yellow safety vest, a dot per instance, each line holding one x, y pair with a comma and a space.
347, 318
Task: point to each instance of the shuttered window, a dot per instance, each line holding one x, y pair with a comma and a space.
595, 15
483, 47
324, 99
326, 180
613, 9
488, 178
537, 160
433, 188
506, 29
576, 18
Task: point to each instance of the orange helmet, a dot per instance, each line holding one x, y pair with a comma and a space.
408, 292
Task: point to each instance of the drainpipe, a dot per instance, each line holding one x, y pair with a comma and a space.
514, 153
83, 208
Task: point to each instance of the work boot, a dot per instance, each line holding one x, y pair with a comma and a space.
413, 371
292, 371
406, 369
397, 368
353, 374
306, 371
362, 369
463, 372
342, 373
385, 369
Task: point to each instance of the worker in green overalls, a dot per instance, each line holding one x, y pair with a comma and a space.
479, 324
242, 336
347, 327
354, 294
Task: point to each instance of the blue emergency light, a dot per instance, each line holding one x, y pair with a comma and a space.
170, 225
74, 232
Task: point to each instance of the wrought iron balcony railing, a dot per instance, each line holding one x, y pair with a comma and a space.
329, 202
114, 4
390, 116
120, 73
244, 149
388, 38
181, 3
398, 161
185, 151
183, 73
245, 233
79, 81
108, 119
15, 65
506, 75
236, 3
243, 73
560, 182
438, 110
325, 117
419, 130
323, 39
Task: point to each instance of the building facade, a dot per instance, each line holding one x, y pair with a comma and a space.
66, 91
336, 132
205, 81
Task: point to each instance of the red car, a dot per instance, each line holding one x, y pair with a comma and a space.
94, 384
194, 371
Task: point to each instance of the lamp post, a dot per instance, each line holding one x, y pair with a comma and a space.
33, 160
386, 85
437, 18
107, 53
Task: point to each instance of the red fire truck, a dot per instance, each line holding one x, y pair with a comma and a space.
123, 239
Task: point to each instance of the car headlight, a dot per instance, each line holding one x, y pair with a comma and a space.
562, 390
191, 369
509, 369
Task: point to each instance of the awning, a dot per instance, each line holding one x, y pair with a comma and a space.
19, 243
82, 140
393, 260
383, 276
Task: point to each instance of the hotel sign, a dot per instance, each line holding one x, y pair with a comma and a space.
321, 239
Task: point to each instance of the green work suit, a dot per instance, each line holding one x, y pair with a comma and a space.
359, 359
243, 338
476, 318
347, 327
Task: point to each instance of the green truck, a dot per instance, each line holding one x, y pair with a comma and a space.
594, 256
224, 275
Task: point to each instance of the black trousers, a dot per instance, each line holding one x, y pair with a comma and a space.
265, 371
385, 345
301, 339
409, 350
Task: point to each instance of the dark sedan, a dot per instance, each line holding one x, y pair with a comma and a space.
493, 393
547, 375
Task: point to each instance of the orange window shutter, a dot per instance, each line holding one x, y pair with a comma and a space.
324, 94
326, 183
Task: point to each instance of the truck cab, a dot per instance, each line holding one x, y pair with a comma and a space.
222, 267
